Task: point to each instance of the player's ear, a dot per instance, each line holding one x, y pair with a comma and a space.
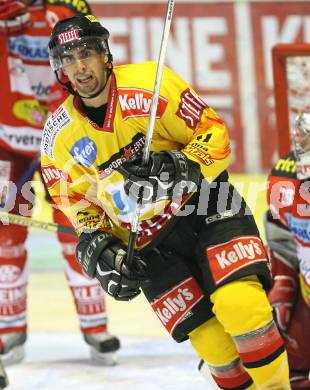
105, 58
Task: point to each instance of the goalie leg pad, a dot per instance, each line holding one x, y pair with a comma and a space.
175, 295
297, 337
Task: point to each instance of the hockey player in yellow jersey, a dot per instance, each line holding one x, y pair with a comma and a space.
198, 259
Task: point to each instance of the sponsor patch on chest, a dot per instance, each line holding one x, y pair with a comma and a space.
299, 227
21, 138
29, 47
56, 122
84, 151
231, 256
53, 175
136, 102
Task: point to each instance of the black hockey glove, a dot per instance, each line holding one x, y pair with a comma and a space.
103, 256
168, 174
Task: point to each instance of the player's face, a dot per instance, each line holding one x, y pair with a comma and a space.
85, 68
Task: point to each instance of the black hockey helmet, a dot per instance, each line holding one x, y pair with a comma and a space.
76, 32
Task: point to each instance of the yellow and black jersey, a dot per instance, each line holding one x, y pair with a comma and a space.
80, 159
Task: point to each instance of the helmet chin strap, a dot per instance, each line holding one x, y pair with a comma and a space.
71, 90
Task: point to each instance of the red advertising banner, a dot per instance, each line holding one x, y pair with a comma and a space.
224, 51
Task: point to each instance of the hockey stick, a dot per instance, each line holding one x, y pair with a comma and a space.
27, 175
15, 219
149, 134
34, 223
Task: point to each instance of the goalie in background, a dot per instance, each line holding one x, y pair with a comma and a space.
287, 226
199, 259
28, 90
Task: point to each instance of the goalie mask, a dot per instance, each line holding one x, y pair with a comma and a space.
81, 33
301, 140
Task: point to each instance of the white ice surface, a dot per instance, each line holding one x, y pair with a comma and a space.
61, 361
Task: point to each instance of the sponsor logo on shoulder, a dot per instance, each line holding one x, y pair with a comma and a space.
53, 175
136, 102
232, 256
84, 151
191, 108
286, 165
173, 307
56, 122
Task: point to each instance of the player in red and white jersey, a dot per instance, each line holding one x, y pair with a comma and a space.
199, 259
28, 90
288, 235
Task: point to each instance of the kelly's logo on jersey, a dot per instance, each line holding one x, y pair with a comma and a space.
136, 102
53, 175
231, 256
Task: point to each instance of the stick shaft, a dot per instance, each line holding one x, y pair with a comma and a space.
157, 84
150, 130
8, 218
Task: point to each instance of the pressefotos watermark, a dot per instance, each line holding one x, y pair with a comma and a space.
88, 192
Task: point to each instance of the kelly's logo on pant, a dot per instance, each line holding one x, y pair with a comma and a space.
176, 304
233, 255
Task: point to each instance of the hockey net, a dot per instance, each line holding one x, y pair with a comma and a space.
291, 73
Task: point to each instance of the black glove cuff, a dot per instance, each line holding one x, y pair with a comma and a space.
90, 247
180, 164
186, 170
